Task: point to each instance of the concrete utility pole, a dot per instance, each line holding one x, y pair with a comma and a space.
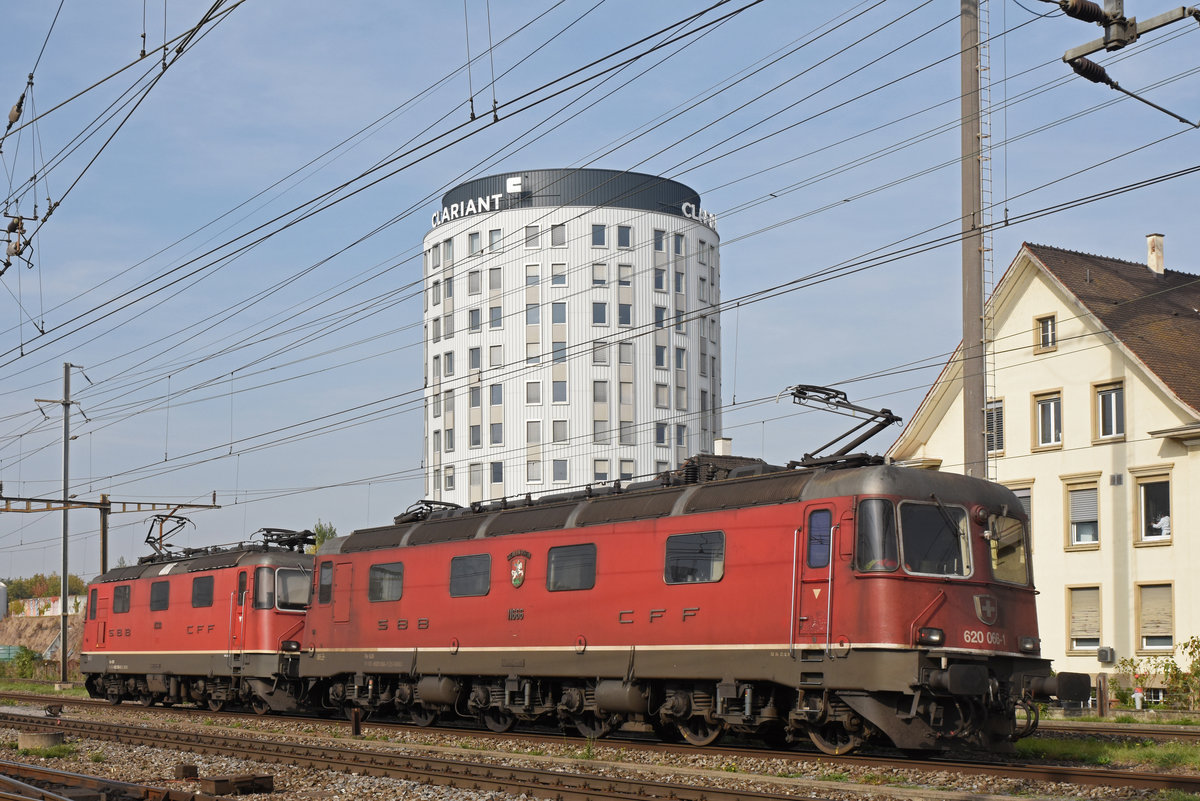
973, 378
64, 590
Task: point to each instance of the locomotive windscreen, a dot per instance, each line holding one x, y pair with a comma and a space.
934, 539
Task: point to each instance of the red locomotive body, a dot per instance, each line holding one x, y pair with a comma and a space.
845, 604
204, 626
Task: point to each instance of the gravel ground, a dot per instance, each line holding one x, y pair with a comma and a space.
805, 779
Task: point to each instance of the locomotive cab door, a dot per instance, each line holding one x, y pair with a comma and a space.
814, 553
343, 572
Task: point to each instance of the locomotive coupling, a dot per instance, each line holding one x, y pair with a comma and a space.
1063, 686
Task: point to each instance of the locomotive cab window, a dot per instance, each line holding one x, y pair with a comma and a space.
385, 582
121, 599
693, 558
934, 539
160, 596
325, 583
1008, 547
820, 533
202, 591
264, 588
876, 546
571, 567
470, 575
293, 589
93, 600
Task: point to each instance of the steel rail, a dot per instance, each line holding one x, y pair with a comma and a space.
110, 788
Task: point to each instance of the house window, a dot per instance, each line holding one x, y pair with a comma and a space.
625, 352
660, 316
993, 419
475, 319
496, 435
558, 352
531, 236
560, 469
624, 236
1157, 616
627, 469
497, 472
558, 429
533, 274
473, 397
1084, 610
474, 282
680, 434
533, 471
533, 314
1046, 333
600, 431
533, 392
600, 469
628, 434
1049, 420
495, 318
1154, 508
599, 353
660, 356
473, 434
558, 236
533, 432
599, 314
1110, 411
450, 478
624, 314
474, 243
558, 313
558, 390
660, 279
678, 244
496, 356
533, 353
496, 394
660, 241
558, 275
599, 275
1084, 516
494, 237
600, 392
660, 433
597, 236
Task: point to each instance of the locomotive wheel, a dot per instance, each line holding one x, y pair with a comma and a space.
422, 716
699, 732
591, 726
833, 739
260, 705
498, 720
113, 698
216, 705
146, 699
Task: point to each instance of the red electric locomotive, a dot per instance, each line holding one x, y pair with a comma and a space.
845, 601
203, 625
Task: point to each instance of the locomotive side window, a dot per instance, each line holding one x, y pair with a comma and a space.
325, 583
876, 549
470, 575
385, 582
293, 589
934, 539
1007, 546
160, 596
695, 558
93, 599
121, 599
264, 588
202, 591
571, 567
820, 532
241, 595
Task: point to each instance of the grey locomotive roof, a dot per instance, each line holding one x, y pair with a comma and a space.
649, 500
191, 563
582, 187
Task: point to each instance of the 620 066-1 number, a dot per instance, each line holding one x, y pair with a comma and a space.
977, 637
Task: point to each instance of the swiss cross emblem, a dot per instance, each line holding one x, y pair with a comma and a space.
986, 609
518, 561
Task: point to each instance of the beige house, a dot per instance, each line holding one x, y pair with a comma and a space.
1093, 419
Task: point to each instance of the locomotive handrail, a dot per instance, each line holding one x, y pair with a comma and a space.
928, 610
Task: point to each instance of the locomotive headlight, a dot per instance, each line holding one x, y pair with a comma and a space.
289, 646
1030, 645
931, 636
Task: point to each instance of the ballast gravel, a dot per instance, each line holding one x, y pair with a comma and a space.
606, 758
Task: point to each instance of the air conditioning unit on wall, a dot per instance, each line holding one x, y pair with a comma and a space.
1106, 654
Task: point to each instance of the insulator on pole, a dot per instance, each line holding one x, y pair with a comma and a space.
1085, 10
15, 114
1086, 68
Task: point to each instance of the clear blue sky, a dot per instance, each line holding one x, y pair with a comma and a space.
285, 374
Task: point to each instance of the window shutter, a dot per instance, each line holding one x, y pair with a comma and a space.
1084, 505
1085, 612
1158, 618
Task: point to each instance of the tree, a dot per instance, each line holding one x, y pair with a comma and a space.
40, 585
323, 531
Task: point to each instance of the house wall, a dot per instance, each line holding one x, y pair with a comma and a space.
1122, 559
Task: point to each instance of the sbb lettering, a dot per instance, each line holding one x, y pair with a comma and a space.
402, 624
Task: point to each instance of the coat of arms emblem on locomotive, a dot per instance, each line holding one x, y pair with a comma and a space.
518, 561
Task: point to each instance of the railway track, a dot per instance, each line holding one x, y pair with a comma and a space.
555, 783
19, 780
